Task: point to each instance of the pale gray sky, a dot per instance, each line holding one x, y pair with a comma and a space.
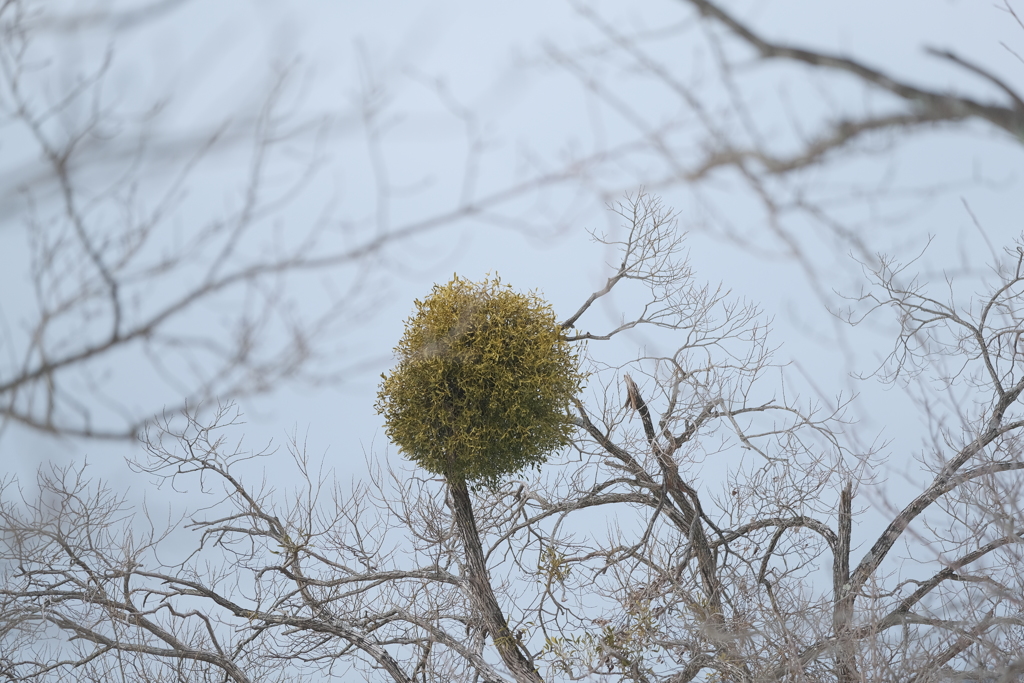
504, 65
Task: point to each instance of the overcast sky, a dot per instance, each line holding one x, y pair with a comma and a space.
440, 74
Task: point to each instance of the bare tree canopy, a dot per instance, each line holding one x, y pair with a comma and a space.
717, 515
752, 578
127, 289
823, 148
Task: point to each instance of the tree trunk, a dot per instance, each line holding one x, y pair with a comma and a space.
842, 616
518, 661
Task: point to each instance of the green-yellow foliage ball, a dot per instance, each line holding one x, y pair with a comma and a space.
484, 382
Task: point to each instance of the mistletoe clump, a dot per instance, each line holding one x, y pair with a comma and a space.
484, 382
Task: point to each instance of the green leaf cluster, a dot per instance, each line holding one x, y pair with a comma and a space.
483, 384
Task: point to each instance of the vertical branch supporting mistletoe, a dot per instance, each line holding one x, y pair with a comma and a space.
485, 604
